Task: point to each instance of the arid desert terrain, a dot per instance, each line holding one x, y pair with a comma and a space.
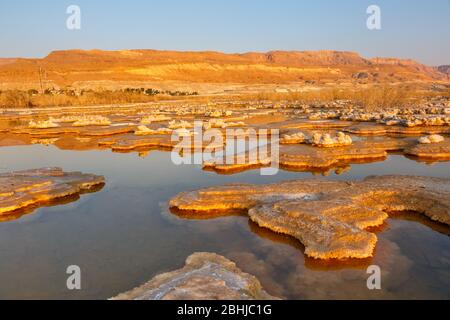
141, 163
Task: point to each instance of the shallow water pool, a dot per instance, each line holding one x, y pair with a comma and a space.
124, 234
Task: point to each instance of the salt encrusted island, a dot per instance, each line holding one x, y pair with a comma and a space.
21, 190
205, 276
330, 218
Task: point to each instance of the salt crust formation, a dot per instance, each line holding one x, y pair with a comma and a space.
330, 218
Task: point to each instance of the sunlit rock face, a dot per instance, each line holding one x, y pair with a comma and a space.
330, 218
22, 189
205, 276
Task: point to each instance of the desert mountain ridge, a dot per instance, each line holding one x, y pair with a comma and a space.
99, 68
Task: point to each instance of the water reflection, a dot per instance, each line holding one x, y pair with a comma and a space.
124, 234
17, 214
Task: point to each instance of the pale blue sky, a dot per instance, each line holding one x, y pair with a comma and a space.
414, 29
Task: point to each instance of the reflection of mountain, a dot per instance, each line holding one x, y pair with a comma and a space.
109, 68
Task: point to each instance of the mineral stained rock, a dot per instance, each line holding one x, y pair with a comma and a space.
307, 157
21, 189
205, 276
437, 149
330, 218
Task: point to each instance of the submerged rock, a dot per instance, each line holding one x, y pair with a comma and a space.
22, 189
205, 276
330, 218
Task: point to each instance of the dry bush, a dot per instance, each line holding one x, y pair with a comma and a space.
376, 98
372, 98
15, 99
320, 95
22, 99
43, 100
306, 97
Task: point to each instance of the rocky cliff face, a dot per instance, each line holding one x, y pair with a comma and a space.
444, 69
77, 67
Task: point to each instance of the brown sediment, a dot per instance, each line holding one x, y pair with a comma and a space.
205, 276
330, 218
21, 190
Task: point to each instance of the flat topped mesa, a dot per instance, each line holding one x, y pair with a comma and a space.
205, 276
330, 218
21, 189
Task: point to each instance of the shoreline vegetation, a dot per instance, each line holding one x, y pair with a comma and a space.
371, 98
70, 97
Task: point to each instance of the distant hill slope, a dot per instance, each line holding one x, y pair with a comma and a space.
444, 69
4, 61
84, 68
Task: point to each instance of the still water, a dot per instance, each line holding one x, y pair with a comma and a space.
124, 234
